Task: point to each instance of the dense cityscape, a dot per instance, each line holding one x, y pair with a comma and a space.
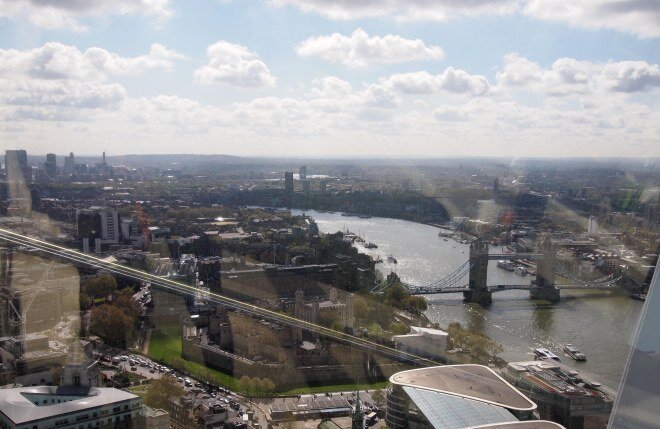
213, 291
329, 214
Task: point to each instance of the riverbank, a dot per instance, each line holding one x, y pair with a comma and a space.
600, 323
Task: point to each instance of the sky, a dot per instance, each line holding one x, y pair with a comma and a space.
332, 78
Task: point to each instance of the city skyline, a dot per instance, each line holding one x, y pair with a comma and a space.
305, 79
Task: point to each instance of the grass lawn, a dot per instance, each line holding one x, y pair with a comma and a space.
165, 347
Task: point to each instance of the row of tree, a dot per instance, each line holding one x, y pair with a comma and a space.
480, 346
255, 386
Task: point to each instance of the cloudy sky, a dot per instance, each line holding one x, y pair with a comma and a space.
336, 78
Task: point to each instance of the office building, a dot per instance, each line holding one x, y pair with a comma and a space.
76, 403
562, 394
592, 226
424, 342
307, 186
97, 226
457, 396
69, 163
302, 173
50, 167
288, 182
17, 165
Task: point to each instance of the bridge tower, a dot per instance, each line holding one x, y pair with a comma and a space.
478, 286
545, 274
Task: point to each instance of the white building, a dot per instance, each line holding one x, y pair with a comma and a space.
592, 226
424, 342
77, 403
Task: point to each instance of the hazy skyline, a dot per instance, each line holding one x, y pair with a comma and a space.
339, 78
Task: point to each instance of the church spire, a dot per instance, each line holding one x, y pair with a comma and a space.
358, 418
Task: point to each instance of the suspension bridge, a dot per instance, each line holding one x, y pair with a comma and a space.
471, 277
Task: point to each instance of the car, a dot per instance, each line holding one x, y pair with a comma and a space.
179, 379
133, 368
188, 383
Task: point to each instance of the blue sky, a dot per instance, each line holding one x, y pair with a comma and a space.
331, 77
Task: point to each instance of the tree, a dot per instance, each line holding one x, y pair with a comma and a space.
268, 385
415, 304
121, 379
178, 363
160, 391
100, 286
111, 324
245, 384
378, 396
395, 295
360, 307
399, 328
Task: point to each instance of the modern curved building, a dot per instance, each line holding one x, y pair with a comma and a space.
458, 396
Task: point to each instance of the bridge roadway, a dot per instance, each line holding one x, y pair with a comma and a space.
498, 288
165, 283
500, 256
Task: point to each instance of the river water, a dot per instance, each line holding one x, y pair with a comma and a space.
600, 323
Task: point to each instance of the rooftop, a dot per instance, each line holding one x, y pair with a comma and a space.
15, 403
529, 424
554, 377
469, 381
454, 412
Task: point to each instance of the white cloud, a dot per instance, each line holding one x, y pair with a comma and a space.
449, 113
639, 17
234, 65
568, 76
61, 95
439, 10
57, 81
330, 87
360, 50
67, 14
632, 76
451, 80
58, 61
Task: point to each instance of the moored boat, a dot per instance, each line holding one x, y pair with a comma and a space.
573, 352
543, 354
506, 265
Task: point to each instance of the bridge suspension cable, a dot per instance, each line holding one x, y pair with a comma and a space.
449, 281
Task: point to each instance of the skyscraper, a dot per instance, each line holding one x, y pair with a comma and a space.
302, 172
50, 167
69, 163
17, 166
288, 182
592, 226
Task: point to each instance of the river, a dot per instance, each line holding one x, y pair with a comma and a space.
600, 323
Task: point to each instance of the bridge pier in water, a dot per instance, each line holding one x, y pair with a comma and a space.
478, 284
545, 275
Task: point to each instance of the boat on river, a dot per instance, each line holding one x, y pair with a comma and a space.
638, 296
574, 352
545, 354
506, 265
391, 259
371, 245
520, 270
